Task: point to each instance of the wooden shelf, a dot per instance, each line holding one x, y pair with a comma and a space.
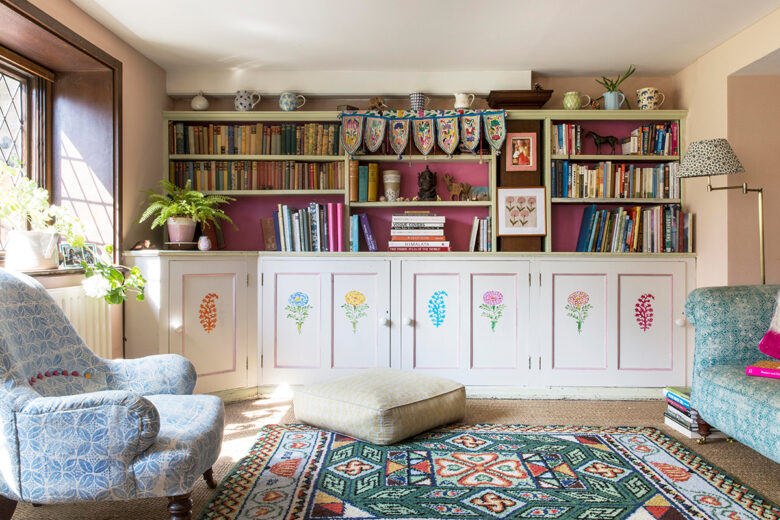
575, 200
412, 203
486, 157
627, 158
243, 193
227, 157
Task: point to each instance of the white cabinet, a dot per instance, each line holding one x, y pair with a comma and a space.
322, 318
611, 323
467, 320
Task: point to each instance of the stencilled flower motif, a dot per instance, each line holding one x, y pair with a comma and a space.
298, 308
578, 308
643, 311
492, 308
355, 308
437, 308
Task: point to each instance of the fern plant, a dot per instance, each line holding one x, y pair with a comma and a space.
184, 202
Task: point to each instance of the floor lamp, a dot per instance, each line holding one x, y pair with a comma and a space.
715, 157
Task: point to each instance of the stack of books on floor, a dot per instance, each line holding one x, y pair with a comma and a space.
415, 231
678, 415
317, 227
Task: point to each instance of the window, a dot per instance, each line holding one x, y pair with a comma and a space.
13, 104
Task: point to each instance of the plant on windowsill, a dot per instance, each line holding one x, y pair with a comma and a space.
182, 208
34, 226
110, 281
613, 90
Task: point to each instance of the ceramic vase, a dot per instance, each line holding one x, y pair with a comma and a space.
613, 100
392, 183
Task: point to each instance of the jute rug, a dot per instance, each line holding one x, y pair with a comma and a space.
297, 472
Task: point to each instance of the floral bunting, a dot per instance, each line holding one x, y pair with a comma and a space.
447, 127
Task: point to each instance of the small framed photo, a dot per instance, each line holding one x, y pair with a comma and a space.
72, 255
521, 152
90, 253
522, 212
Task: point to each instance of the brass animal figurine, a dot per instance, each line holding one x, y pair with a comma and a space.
598, 140
426, 180
458, 190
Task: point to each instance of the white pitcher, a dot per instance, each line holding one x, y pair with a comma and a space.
463, 100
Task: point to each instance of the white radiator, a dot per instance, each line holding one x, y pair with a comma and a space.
89, 316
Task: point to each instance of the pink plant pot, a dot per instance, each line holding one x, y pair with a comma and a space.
181, 229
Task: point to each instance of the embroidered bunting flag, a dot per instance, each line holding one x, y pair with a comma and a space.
399, 135
375, 132
351, 132
423, 135
448, 138
495, 129
470, 131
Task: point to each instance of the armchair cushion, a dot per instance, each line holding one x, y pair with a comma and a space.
770, 343
160, 374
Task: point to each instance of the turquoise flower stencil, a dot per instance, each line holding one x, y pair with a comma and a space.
298, 308
437, 309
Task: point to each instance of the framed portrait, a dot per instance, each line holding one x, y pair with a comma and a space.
520, 151
72, 255
522, 212
90, 253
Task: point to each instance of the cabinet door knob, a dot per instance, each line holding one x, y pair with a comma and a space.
178, 329
680, 322
384, 322
409, 322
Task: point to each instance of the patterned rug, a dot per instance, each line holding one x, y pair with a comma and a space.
296, 472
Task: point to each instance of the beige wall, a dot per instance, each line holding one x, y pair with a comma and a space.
754, 133
143, 100
703, 90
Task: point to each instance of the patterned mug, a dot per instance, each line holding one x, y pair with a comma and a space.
245, 100
418, 101
289, 101
649, 98
573, 100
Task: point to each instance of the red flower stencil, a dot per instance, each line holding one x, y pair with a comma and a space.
208, 312
643, 311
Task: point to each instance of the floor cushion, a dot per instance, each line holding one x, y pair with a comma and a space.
381, 405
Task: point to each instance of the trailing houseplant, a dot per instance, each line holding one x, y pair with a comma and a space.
110, 281
182, 208
613, 89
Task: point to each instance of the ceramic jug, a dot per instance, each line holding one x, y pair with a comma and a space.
245, 100
613, 100
649, 98
463, 100
573, 100
289, 101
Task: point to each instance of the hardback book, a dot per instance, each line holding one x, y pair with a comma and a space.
417, 232
314, 214
353, 181
324, 227
691, 434
354, 235
363, 183
373, 182
418, 218
418, 249
473, 237
278, 230
764, 369
367, 233
269, 235
332, 227
679, 394
406, 238
340, 225
419, 243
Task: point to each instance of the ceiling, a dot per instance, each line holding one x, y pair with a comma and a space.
194, 40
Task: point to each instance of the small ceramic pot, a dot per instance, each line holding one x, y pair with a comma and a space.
199, 102
392, 183
181, 229
289, 101
204, 243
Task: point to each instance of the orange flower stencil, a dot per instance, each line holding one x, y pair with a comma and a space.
208, 312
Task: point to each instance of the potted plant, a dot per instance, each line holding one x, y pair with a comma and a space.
182, 208
613, 93
34, 226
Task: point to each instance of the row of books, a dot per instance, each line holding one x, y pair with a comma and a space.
653, 139
363, 182
255, 139
680, 417
316, 227
414, 231
481, 238
258, 175
614, 180
357, 223
657, 229
566, 139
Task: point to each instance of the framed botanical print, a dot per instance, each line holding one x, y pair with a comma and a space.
521, 151
521, 212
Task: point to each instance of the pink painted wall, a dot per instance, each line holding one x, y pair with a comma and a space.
143, 100
754, 133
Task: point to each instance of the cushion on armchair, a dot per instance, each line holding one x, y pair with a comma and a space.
770, 343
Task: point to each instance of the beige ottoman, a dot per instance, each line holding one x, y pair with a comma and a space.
381, 405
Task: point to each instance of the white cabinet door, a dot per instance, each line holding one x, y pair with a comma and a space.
208, 320
611, 323
323, 318
467, 320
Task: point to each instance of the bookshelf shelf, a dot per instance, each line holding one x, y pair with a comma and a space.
226, 157
239, 193
575, 200
418, 203
626, 158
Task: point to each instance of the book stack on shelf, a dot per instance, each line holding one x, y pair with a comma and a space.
613, 180
679, 416
363, 182
657, 229
653, 139
316, 228
258, 175
255, 139
481, 237
415, 231
764, 369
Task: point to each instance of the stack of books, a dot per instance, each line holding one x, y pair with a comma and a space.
678, 414
317, 227
417, 231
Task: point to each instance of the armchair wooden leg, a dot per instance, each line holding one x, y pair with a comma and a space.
702, 426
208, 476
7, 508
180, 507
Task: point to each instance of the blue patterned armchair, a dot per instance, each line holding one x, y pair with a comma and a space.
730, 322
76, 427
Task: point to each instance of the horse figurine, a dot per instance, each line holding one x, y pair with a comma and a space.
458, 190
598, 140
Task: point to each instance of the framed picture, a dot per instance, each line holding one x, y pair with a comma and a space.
72, 255
521, 152
522, 212
90, 253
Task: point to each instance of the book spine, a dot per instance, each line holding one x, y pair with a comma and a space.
363, 183
373, 182
419, 243
677, 399
763, 372
429, 238
279, 245
417, 219
331, 227
416, 231
339, 209
370, 241
353, 181
354, 233
421, 248
315, 226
